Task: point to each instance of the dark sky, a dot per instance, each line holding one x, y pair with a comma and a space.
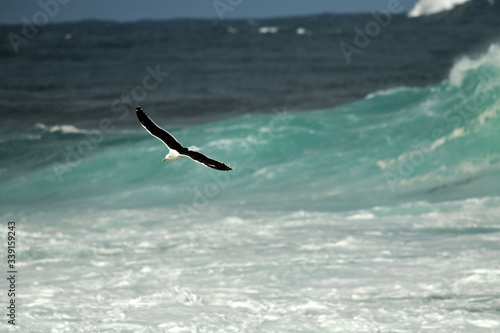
12, 11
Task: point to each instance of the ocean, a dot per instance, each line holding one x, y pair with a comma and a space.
364, 195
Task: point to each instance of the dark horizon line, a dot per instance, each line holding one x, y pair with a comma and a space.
212, 18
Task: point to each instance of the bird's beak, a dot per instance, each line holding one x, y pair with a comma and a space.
164, 159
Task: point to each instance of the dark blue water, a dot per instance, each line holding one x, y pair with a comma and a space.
75, 73
364, 195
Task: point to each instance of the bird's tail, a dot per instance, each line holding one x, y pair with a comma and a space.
194, 148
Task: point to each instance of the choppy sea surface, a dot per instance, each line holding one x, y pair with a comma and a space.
364, 196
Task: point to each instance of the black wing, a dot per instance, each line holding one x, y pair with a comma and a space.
200, 158
158, 132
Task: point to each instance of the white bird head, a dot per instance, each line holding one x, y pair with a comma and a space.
168, 157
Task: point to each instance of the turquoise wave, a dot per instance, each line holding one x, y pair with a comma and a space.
435, 144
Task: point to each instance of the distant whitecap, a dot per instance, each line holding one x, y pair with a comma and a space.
430, 7
302, 31
66, 129
268, 30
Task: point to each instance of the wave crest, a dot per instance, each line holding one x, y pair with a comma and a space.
430, 7
65, 129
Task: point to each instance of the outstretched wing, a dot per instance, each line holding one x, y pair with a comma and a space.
205, 160
158, 132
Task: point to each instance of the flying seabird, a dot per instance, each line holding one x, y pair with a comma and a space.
176, 150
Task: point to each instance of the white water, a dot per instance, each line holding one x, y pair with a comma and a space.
416, 268
429, 7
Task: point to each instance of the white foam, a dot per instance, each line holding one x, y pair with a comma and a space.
361, 216
491, 58
387, 92
485, 323
218, 274
347, 243
489, 113
302, 31
65, 129
268, 30
457, 133
430, 7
